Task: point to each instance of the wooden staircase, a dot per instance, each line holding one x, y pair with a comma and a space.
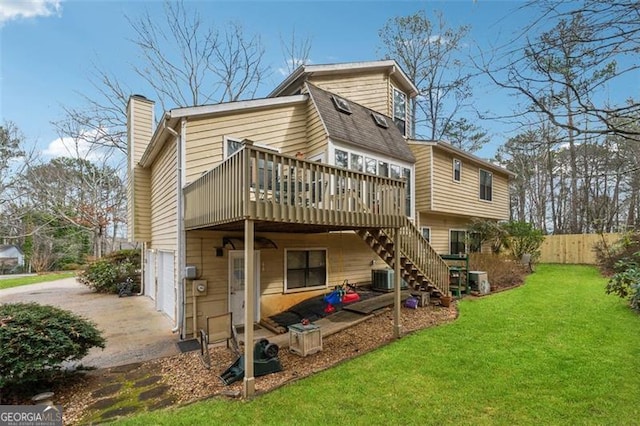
421, 266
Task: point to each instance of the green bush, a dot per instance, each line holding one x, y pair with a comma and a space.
36, 339
523, 238
625, 283
104, 275
608, 255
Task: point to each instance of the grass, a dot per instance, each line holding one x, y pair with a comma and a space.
554, 351
16, 282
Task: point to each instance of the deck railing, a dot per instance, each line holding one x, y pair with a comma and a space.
263, 185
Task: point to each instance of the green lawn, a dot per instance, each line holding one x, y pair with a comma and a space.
554, 351
16, 282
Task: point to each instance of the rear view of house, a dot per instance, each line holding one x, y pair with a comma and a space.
295, 193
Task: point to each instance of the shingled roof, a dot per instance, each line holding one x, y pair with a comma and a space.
358, 128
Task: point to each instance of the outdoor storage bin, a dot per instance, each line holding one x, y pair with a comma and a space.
305, 339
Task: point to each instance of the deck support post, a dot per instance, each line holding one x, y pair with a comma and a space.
397, 288
249, 303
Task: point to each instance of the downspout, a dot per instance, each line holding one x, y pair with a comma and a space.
143, 258
179, 236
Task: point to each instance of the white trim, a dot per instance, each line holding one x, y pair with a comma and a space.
236, 106
286, 289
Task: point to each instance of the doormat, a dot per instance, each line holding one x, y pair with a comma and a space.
188, 345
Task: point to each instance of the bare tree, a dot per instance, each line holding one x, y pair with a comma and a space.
566, 72
430, 53
189, 62
11, 160
295, 50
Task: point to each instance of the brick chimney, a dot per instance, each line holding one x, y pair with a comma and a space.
140, 126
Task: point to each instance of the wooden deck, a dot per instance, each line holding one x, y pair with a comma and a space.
370, 305
267, 187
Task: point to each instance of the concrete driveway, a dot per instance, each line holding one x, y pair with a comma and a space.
134, 330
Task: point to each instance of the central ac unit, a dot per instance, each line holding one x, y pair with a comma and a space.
383, 280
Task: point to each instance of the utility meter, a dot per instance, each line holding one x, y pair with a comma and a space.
200, 287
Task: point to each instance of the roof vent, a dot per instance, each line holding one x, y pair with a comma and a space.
380, 120
341, 104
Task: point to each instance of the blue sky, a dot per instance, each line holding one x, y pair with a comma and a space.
48, 46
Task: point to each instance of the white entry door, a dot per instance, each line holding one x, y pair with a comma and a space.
236, 286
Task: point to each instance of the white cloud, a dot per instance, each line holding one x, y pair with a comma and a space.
80, 147
24, 9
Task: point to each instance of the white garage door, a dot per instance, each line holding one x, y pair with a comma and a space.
150, 274
166, 301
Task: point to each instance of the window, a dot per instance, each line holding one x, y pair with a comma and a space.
394, 171
380, 120
426, 233
486, 185
341, 104
305, 269
457, 170
406, 173
356, 162
370, 165
231, 146
342, 158
457, 241
400, 110
475, 244
383, 169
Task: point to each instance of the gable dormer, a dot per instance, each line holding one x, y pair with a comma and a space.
379, 85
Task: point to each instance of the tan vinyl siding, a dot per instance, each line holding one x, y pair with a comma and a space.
440, 226
316, 133
140, 129
348, 257
463, 198
141, 197
367, 89
423, 155
283, 127
164, 199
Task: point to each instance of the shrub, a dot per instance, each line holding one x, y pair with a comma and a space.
501, 272
523, 238
36, 339
608, 255
104, 275
491, 232
625, 283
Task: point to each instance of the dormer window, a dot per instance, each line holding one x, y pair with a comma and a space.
341, 104
380, 120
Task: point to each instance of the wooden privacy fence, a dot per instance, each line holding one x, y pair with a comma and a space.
573, 248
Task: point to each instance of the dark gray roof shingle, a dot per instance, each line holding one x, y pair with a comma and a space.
358, 128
